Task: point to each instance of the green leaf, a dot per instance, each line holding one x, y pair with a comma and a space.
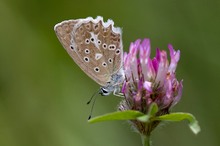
119, 115
144, 118
175, 117
153, 109
151, 113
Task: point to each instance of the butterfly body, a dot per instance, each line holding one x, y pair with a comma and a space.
96, 47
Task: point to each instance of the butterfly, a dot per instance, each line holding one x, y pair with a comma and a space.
96, 47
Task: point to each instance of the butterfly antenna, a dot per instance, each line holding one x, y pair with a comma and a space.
90, 115
93, 97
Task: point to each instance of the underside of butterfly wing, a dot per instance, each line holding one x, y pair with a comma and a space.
94, 45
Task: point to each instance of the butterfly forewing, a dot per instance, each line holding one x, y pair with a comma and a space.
64, 33
95, 46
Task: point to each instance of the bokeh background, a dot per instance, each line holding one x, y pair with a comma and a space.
43, 93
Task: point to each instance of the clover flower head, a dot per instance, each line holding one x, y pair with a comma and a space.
150, 81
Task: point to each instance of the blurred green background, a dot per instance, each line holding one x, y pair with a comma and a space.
43, 93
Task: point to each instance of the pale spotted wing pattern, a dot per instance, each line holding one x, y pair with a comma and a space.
95, 46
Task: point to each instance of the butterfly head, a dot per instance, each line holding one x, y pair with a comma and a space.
114, 84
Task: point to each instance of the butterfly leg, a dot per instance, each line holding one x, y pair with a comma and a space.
117, 92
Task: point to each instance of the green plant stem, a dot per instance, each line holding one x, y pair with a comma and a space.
145, 140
